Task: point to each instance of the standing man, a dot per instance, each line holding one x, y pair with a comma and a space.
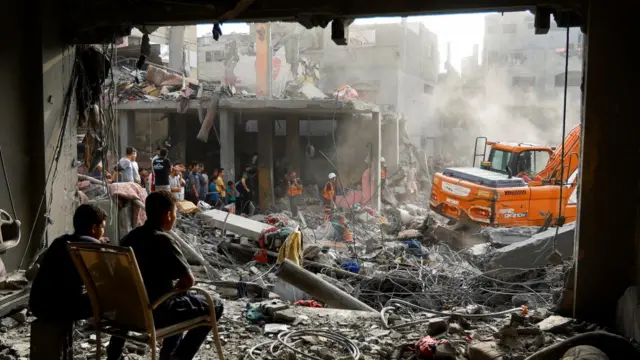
161, 170
57, 290
329, 195
294, 190
204, 183
244, 191
412, 184
193, 184
177, 184
161, 264
125, 165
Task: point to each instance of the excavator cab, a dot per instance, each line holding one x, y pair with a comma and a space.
520, 159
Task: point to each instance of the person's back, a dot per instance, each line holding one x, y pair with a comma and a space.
161, 170
57, 290
162, 263
159, 259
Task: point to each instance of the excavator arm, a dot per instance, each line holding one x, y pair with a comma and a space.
567, 159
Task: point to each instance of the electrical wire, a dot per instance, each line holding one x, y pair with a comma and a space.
560, 220
73, 80
385, 323
285, 339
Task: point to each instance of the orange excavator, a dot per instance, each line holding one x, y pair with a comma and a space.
517, 184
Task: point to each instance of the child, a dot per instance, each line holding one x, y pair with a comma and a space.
213, 195
231, 193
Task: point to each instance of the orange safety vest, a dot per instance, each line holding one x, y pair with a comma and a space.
329, 192
383, 173
294, 189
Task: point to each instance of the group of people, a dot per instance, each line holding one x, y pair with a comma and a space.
57, 290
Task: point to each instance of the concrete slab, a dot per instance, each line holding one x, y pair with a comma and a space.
508, 236
533, 252
233, 223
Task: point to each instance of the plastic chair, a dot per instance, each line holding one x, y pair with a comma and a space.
119, 299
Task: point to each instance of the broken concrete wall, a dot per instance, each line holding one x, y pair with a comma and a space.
533, 252
58, 62
151, 130
30, 125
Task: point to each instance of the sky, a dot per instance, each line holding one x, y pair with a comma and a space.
461, 30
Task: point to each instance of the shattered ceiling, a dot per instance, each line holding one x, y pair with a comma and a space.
100, 21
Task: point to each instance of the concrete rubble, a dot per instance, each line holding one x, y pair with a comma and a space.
409, 283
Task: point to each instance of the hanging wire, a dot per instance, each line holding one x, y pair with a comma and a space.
560, 219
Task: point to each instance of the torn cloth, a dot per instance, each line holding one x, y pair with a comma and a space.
291, 249
131, 191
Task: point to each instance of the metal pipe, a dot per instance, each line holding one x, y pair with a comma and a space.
319, 288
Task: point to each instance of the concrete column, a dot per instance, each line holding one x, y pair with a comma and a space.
374, 175
391, 149
126, 129
608, 204
178, 133
293, 143
176, 48
227, 144
266, 134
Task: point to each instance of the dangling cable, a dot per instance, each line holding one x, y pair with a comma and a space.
560, 220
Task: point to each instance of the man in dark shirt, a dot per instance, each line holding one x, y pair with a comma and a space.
57, 290
161, 263
161, 170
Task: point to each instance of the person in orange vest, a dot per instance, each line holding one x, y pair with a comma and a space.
294, 190
329, 195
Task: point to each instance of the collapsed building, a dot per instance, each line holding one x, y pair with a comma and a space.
599, 281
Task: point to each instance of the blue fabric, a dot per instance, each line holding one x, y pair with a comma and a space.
351, 266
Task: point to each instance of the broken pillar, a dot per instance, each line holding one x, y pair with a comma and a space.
178, 134
266, 134
533, 252
374, 177
608, 237
126, 129
293, 143
318, 287
391, 149
227, 144
233, 223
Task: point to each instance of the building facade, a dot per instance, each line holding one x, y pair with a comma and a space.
181, 36
529, 66
232, 59
393, 65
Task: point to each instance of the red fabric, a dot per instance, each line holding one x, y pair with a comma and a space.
308, 303
131, 191
426, 347
261, 257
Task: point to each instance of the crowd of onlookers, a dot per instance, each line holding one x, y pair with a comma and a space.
190, 183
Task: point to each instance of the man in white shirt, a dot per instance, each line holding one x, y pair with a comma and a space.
125, 166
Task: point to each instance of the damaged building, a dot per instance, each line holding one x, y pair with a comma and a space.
371, 279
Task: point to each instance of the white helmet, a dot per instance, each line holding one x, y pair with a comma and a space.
382, 159
331, 176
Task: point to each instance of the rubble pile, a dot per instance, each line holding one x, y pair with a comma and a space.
420, 296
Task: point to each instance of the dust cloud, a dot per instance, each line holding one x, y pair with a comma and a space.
458, 113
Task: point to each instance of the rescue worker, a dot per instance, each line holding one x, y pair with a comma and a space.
329, 195
294, 190
383, 172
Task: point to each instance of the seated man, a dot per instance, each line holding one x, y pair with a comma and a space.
57, 290
161, 263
